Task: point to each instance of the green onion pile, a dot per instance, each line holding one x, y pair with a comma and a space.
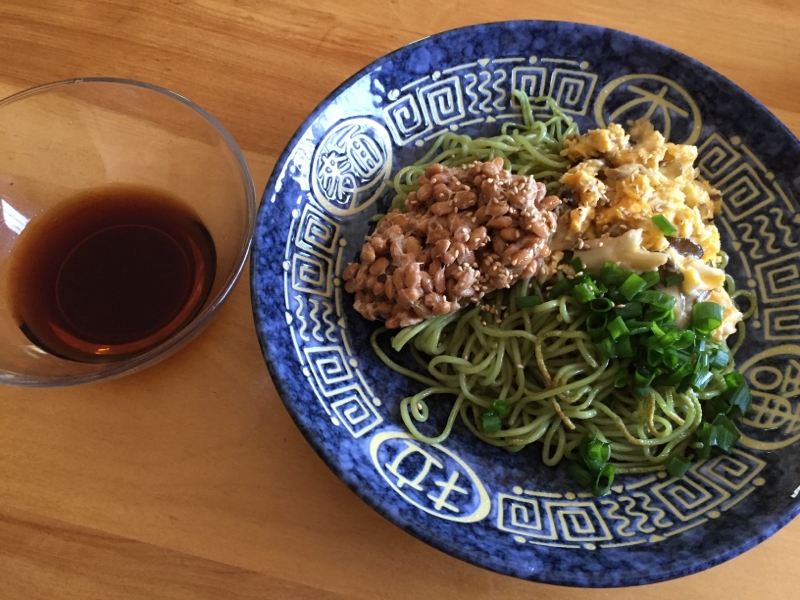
631, 320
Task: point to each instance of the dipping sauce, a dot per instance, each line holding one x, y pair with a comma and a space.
110, 273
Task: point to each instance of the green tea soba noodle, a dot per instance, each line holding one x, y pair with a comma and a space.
557, 388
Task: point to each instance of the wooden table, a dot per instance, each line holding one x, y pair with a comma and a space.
189, 480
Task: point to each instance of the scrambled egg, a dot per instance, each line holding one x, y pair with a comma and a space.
618, 186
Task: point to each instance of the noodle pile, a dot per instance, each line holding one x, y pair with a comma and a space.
542, 362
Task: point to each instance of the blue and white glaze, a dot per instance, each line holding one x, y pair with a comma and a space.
509, 513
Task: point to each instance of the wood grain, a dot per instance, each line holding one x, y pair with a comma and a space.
189, 480
42, 557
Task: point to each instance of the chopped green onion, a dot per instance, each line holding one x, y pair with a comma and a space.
576, 264
597, 320
654, 343
582, 278
612, 275
669, 338
677, 466
720, 359
604, 481
703, 435
636, 330
670, 358
673, 279
601, 305
664, 225
643, 377
640, 392
651, 277
595, 473
490, 422
614, 295
701, 380
559, 288
624, 347
657, 331
719, 406
654, 357
594, 452
500, 408
741, 399
622, 379
632, 286
583, 293
628, 310
734, 379
596, 326
674, 378
528, 301
686, 340
706, 316
727, 434
606, 348
702, 363
660, 314
631, 323
656, 298
580, 474
617, 328
720, 433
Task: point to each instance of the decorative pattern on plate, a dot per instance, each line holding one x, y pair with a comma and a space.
313, 301
351, 164
774, 377
508, 512
671, 107
648, 510
480, 92
415, 471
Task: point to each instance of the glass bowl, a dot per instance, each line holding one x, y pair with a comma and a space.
61, 139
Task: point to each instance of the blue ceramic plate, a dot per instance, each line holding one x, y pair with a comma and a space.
504, 512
